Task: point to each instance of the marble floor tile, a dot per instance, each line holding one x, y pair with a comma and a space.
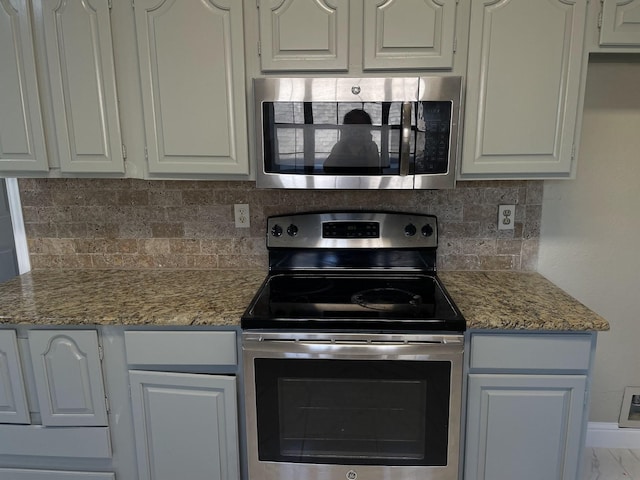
611, 464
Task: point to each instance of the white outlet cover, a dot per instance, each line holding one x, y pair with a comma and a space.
506, 217
241, 214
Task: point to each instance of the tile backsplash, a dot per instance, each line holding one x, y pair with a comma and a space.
125, 223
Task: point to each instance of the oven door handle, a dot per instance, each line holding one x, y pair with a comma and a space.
352, 349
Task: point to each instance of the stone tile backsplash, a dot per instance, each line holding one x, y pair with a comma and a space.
125, 223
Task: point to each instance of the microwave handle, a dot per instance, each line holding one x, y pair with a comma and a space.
405, 139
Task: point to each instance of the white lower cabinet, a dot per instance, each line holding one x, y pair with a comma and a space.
184, 403
185, 426
13, 398
65, 368
53, 416
524, 426
68, 377
526, 406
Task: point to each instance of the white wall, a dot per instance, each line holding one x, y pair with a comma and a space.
590, 232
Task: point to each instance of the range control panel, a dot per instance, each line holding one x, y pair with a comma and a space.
359, 229
351, 230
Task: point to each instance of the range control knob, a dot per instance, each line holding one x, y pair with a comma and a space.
292, 230
409, 230
427, 230
276, 230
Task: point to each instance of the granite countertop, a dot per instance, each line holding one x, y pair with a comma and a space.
488, 300
517, 301
129, 297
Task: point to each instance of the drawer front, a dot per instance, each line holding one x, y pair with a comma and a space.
180, 348
530, 351
24, 474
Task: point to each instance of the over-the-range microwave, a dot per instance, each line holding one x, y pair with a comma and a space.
357, 133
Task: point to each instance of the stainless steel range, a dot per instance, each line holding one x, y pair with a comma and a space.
352, 352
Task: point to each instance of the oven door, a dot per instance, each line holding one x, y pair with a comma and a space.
330, 406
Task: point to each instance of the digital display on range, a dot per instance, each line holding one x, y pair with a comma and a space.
350, 230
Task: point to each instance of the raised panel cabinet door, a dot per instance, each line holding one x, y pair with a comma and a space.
620, 23
524, 74
527, 427
185, 426
193, 85
68, 377
83, 86
304, 35
13, 399
22, 144
416, 34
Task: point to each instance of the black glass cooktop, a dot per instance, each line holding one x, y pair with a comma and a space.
404, 301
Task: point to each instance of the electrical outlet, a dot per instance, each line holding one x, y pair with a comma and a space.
506, 217
241, 212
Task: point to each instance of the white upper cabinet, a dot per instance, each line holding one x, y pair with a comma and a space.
83, 89
304, 34
68, 377
319, 35
193, 85
408, 34
22, 143
524, 82
620, 23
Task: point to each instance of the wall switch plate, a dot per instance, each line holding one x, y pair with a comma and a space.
506, 217
241, 212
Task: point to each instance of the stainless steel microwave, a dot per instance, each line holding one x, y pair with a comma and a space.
357, 133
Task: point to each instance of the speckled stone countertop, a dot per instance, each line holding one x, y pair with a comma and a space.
488, 300
129, 297
517, 301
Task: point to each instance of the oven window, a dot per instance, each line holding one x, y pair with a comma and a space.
353, 411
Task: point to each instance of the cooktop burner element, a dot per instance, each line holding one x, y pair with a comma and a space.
331, 272
387, 299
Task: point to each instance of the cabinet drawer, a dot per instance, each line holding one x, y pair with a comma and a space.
180, 348
23, 474
530, 352
50, 442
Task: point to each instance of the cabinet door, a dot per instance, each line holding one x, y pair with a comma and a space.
523, 88
304, 34
408, 34
83, 88
13, 400
68, 377
620, 22
524, 426
22, 146
185, 426
193, 85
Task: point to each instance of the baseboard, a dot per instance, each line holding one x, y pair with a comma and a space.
609, 435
